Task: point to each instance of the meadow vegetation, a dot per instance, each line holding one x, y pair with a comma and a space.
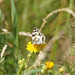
55, 19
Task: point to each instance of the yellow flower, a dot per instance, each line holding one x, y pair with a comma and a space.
49, 65
31, 48
39, 47
34, 47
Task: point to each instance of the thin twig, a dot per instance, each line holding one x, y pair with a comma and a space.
4, 48
54, 12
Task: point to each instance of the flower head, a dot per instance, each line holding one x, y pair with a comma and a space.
31, 48
49, 65
39, 47
34, 47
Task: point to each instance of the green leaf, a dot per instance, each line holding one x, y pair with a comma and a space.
1, 15
13, 11
68, 68
15, 27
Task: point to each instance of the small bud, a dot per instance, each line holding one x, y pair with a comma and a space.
26, 65
21, 65
28, 55
20, 62
73, 69
61, 69
74, 46
44, 67
42, 71
23, 60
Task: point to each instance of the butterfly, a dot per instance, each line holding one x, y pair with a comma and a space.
38, 37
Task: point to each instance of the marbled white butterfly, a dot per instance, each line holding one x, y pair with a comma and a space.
38, 37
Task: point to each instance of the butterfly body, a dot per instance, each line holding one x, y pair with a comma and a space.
37, 37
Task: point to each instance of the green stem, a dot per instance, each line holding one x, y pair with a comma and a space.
46, 71
20, 70
23, 65
28, 68
68, 15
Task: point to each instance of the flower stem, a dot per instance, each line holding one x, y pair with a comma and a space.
28, 68
23, 65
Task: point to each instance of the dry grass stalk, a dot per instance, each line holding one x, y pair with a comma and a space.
5, 31
4, 48
54, 12
1, 60
25, 34
2, 69
1, 1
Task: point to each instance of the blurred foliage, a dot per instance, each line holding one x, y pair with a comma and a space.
24, 15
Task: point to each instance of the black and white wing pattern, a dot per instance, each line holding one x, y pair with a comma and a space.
38, 38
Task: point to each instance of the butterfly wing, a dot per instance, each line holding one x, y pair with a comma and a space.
39, 38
